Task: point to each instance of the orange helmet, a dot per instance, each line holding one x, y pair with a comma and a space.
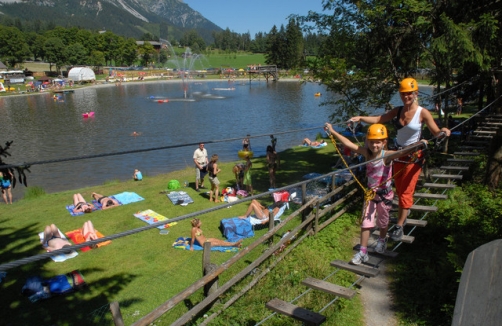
376, 132
408, 85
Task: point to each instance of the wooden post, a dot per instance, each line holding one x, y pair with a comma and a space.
116, 314
316, 219
304, 200
208, 268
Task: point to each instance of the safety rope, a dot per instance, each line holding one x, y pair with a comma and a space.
85, 157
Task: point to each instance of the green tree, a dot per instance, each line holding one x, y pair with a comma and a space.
76, 54
272, 47
13, 47
146, 53
54, 50
293, 45
97, 59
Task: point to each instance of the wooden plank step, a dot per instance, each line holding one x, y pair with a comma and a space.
414, 222
466, 153
299, 313
429, 196
419, 208
438, 185
454, 168
485, 132
492, 123
405, 238
476, 142
329, 288
447, 176
459, 160
472, 148
360, 270
371, 250
479, 137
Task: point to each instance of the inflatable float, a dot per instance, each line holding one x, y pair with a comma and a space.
163, 101
88, 114
317, 94
243, 154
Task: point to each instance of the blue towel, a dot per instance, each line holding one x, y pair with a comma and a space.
70, 208
180, 198
128, 197
184, 244
235, 229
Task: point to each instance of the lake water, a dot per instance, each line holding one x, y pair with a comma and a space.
44, 129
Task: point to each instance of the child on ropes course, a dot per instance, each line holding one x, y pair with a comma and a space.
378, 201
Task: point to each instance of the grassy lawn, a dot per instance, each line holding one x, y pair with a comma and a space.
142, 270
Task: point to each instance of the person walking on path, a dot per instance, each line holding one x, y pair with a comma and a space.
213, 170
408, 120
201, 161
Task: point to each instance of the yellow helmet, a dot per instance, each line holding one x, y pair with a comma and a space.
408, 85
376, 132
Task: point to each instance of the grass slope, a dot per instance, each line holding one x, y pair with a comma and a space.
143, 270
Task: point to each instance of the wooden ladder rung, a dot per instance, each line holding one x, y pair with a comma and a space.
438, 185
371, 250
454, 168
466, 153
329, 288
405, 238
360, 270
429, 196
415, 222
419, 208
299, 313
459, 160
474, 148
486, 132
476, 142
447, 176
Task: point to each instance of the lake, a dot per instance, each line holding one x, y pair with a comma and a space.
46, 129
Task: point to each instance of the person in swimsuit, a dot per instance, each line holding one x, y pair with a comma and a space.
106, 202
261, 212
273, 163
52, 239
5, 184
308, 142
80, 205
199, 239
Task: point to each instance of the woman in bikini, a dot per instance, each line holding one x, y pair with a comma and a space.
199, 239
52, 239
261, 212
105, 201
80, 205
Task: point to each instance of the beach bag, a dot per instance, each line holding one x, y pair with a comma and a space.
281, 196
173, 185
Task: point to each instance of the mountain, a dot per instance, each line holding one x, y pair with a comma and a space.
130, 18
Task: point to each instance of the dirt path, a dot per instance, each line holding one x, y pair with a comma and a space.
377, 300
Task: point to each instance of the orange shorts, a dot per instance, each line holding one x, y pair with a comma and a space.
405, 179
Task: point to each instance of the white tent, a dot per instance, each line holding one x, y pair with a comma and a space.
81, 74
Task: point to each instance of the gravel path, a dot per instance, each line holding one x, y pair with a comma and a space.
377, 300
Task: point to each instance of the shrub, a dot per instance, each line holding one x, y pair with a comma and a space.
33, 192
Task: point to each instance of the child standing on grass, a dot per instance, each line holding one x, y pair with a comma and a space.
379, 174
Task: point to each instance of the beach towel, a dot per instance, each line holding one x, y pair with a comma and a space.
151, 217
128, 197
235, 229
179, 198
184, 244
70, 208
61, 257
77, 237
318, 146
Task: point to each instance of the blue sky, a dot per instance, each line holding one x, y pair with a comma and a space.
242, 16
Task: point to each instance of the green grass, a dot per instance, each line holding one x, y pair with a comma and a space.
142, 270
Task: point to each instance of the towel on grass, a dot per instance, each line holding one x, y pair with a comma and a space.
70, 208
128, 197
61, 257
184, 244
77, 237
180, 198
151, 217
235, 229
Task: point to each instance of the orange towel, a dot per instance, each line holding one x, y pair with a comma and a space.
77, 237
